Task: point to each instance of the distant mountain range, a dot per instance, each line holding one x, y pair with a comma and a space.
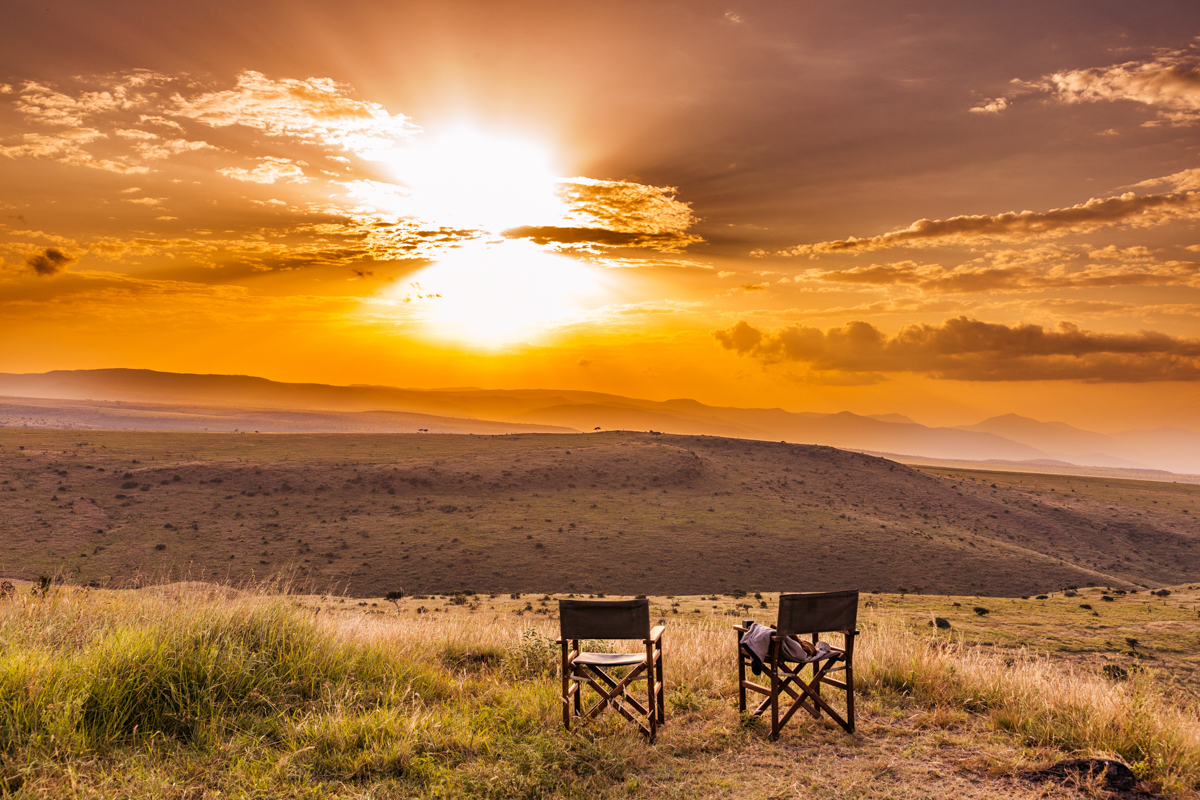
145, 399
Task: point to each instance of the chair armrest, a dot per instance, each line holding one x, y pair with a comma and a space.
740, 628
656, 632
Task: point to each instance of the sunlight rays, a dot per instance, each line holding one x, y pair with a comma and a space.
472, 179
492, 294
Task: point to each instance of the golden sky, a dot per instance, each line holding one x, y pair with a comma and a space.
932, 208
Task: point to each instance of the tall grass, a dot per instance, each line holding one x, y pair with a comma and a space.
127, 693
1046, 704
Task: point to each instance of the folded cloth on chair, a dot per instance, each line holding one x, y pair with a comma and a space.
757, 641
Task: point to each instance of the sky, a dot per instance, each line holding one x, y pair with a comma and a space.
938, 209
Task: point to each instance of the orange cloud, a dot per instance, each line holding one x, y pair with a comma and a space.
268, 170
317, 110
935, 279
967, 349
1170, 83
617, 214
67, 147
1127, 209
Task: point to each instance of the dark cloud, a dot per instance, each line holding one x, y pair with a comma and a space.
967, 349
618, 214
935, 279
49, 262
550, 234
1128, 209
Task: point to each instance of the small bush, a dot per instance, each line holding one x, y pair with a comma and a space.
981, 611
533, 657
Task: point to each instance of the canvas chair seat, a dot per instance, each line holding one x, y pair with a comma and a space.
611, 659
580, 620
810, 613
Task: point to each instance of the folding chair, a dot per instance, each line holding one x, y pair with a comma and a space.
809, 613
611, 619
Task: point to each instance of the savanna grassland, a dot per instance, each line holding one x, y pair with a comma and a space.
614, 512
1008, 620
204, 691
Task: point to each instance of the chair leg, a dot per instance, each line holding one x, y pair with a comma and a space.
775, 690
651, 695
848, 644
741, 677
566, 687
662, 685
815, 670
579, 691
850, 698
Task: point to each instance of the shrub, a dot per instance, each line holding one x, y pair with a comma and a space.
981, 611
532, 657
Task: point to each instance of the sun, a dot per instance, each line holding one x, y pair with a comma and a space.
489, 294
487, 291
472, 179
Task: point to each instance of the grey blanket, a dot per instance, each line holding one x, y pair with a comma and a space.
757, 641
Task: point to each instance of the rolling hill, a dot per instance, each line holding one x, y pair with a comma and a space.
617, 512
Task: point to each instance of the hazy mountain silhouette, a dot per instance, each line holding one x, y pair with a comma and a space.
177, 401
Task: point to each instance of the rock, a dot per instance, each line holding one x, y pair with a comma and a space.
1117, 776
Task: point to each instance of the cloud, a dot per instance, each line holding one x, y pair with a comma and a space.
616, 214
627, 206
551, 234
1187, 180
313, 111
1168, 83
269, 170
991, 106
936, 279
968, 349
316, 110
67, 147
46, 105
165, 148
1127, 209
49, 262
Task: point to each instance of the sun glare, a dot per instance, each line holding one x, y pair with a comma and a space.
471, 179
494, 294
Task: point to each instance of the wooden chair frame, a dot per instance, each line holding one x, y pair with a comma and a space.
800, 614
611, 619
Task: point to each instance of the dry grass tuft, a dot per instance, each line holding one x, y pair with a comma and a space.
197, 691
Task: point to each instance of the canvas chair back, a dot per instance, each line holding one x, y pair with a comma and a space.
817, 612
604, 619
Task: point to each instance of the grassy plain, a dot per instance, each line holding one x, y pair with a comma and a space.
202, 691
615, 512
